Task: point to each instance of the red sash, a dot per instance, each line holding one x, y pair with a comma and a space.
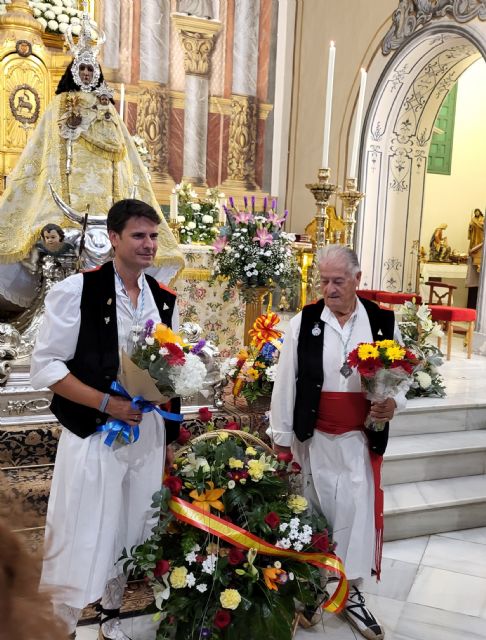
343, 412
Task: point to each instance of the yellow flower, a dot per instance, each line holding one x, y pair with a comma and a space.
256, 468
222, 436
259, 365
253, 373
163, 334
395, 353
270, 575
242, 355
230, 599
250, 451
209, 498
297, 504
385, 343
366, 351
178, 577
234, 463
238, 386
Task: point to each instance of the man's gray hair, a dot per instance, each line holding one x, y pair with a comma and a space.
340, 252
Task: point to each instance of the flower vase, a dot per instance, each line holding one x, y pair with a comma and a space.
254, 297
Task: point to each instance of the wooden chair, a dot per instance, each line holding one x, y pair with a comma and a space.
438, 298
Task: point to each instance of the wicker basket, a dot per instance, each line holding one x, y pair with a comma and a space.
246, 438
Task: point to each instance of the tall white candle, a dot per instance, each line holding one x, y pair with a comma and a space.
122, 102
357, 127
221, 206
328, 111
174, 206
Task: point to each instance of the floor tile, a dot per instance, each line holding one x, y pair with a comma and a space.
410, 550
459, 556
419, 623
396, 581
471, 535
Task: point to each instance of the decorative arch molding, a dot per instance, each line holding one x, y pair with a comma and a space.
396, 137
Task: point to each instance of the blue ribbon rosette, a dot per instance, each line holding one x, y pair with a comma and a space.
129, 433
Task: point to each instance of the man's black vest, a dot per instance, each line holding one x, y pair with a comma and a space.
310, 375
96, 359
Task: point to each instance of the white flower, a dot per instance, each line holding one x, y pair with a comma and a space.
209, 565
202, 587
76, 29
56, 10
43, 22
53, 25
49, 14
181, 218
191, 225
298, 546
150, 341
75, 20
231, 484
423, 379
190, 580
188, 378
191, 557
284, 543
283, 527
152, 357
207, 219
271, 372
291, 575
37, 12
163, 351
63, 27
195, 206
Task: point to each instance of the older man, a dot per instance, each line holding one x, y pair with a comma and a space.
318, 410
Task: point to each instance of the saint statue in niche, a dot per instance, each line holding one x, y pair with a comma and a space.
199, 8
439, 249
475, 235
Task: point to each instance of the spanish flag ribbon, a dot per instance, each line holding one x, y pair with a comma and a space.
263, 330
197, 517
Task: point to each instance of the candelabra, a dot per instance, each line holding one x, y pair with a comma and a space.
351, 198
322, 192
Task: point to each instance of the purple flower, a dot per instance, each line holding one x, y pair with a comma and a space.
263, 237
147, 330
253, 203
274, 203
245, 201
206, 633
197, 348
232, 202
265, 203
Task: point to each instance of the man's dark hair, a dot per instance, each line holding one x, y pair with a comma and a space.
123, 210
53, 227
66, 83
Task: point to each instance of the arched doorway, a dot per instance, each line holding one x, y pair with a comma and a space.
397, 133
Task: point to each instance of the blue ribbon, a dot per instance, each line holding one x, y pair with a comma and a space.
130, 433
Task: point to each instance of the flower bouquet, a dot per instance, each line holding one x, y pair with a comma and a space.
56, 15
253, 251
417, 329
385, 368
234, 546
197, 218
253, 371
162, 366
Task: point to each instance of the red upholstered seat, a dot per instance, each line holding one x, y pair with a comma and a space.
447, 315
388, 297
441, 313
368, 294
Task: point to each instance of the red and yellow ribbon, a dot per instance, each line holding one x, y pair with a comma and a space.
263, 330
197, 517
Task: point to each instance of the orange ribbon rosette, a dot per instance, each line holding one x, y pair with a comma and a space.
263, 330
208, 499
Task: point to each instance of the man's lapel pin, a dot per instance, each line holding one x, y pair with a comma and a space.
109, 301
380, 332
316, 331
165, 307
107, 320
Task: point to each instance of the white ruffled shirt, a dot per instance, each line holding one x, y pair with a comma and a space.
357, 329
58, 334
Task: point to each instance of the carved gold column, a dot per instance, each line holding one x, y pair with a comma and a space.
153, 127
242, 144
197, 37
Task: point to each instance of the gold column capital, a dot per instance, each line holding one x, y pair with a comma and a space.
197, 36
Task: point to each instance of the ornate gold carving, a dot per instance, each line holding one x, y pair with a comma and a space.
242, 140
197, 37
153, 126
24, 104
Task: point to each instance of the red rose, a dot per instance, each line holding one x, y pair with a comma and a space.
285, 456
320, 541
272, 519
161, 568
235, 556
295, 467
184, 436
221, 619
204, 414
232, 426
174, 484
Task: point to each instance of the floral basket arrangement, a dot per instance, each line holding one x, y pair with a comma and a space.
162, 366
198, 218
57, 15
253, 371
253, 251
418, 329
234, 546
385, 368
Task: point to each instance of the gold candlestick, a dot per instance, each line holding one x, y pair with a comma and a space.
322, 192
351, 198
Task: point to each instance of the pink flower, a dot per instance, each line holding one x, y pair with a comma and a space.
274, 219
219, 244
243, 217
263, 237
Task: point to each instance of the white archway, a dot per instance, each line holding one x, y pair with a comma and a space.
397, 132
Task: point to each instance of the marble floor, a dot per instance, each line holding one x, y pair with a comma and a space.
432, 588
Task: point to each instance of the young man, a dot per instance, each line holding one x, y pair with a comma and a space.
318, 410
100, 497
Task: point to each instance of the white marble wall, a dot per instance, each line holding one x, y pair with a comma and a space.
154, 43
245, 49
111, 25
195, 127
